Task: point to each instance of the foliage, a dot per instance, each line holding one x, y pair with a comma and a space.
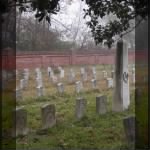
124, 10
32, 35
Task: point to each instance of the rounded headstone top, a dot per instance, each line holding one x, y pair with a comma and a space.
47, 105
19, 108
99, 96
79, 98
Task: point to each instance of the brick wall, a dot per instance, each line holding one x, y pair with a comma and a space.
44, 59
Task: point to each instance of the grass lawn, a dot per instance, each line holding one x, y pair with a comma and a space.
92, 131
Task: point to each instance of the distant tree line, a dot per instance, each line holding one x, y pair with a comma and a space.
32, 35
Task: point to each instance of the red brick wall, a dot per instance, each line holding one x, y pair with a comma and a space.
11, 60
44, 60
8, 61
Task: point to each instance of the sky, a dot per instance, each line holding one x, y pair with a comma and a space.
70, 19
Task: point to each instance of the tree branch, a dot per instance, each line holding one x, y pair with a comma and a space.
137, 24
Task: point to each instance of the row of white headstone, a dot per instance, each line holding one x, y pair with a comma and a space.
121, 78
61, 88
39, 83
71, 77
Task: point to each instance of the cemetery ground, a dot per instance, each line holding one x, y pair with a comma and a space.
92, 131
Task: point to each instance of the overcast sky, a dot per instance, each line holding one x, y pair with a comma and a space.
70, 23
70, 19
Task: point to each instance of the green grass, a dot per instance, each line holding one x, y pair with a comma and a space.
93, 131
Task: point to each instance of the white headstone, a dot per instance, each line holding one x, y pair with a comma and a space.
78, 86
60, 88
94, 72
133, 70
40, 91
71, 75
18, 94
83, 74
22, 84
104, 74
62, 73
121, 99
26, 71
82, 70
94, 83
49, 69
26, 77
38, 73
39, 82
110, 83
